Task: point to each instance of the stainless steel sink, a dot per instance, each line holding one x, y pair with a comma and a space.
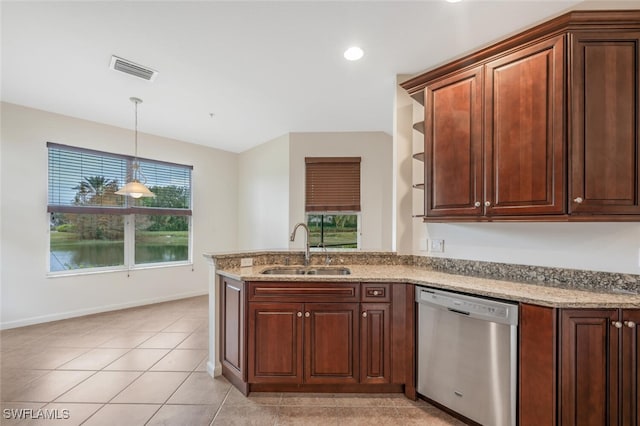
284, 271
307, 271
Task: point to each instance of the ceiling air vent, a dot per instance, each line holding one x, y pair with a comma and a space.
131, 68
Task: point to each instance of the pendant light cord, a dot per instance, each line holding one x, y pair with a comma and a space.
135, 154
136, 165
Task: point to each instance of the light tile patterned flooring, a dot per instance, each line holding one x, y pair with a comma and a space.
147, 366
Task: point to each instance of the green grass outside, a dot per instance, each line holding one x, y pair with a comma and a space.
346, 238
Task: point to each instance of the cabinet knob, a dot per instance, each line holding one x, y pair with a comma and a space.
578, 200
364, 315
307, 314
376, 292
630, 324
476, 204
487, 203
299, 314
616, 324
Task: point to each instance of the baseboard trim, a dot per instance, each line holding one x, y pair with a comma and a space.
97, 310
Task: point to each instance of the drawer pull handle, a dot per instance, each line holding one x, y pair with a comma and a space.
376, 292
307, 314
617, 324
299, 314
630, 324
364, 315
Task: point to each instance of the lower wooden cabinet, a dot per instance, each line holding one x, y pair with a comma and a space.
275, 342
303, 336
375, 343
232, 335
303, 343
599, 367
589, 366
579, 366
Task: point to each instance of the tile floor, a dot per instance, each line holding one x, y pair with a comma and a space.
147, 366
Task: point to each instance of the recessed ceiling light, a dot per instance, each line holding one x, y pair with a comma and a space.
353, 53
454, 1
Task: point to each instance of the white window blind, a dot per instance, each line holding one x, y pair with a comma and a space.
85, 181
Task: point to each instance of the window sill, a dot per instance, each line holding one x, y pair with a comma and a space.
94, 271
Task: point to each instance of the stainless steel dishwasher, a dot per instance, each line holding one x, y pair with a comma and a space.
467, 355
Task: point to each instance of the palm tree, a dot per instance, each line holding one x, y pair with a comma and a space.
96, 191
92, 189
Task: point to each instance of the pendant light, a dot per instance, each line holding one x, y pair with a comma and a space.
135, 188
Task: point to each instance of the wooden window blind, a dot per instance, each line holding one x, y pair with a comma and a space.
332, 184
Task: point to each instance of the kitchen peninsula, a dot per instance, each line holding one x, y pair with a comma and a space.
561, 312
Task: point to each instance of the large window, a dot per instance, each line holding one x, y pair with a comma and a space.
93, 228
332, 201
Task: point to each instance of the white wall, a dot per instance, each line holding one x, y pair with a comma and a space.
28, 295
263, 199
609, 247
404, 167
376, 150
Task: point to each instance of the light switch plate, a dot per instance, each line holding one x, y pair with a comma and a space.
246, 261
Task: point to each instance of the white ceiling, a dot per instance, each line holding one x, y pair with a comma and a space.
263, 68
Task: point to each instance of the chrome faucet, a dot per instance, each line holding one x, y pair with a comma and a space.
306, 240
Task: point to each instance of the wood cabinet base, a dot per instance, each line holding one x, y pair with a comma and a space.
236, 381
345, 388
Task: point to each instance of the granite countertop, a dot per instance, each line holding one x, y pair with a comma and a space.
544, 295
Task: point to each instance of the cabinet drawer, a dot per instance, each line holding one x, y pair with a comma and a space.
304, 292
376, 292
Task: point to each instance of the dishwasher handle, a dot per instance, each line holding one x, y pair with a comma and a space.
456, 311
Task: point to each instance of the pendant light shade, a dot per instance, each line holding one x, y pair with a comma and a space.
136, 188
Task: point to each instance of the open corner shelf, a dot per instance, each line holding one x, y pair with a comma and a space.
419, 126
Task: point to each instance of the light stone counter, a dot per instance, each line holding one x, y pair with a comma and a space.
551, 287
513, 291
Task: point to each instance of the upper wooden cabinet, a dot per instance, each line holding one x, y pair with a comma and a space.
453, 145
605, 122
542, 126
524, 144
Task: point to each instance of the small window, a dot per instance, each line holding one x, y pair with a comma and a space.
332, 201
91, 227
333, 231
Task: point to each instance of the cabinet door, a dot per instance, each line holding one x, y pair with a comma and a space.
630, 371
589, 367
524, 134
331, 343
375, 343
275, 342
605, 122
232, 330
537, 397
453, 145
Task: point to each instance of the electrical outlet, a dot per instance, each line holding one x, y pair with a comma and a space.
246, 262
436, 246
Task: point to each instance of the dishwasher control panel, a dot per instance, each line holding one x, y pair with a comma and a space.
477, 307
